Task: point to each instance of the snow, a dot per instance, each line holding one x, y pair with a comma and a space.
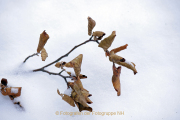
68, 91
14, 90
150, 28
128, 62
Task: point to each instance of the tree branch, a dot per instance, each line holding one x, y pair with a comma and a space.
31, 56
59, 74
40, 69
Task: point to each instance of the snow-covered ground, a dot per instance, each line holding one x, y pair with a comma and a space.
151, 29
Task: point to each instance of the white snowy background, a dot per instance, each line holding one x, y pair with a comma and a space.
151, 29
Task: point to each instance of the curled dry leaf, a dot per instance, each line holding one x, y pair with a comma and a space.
106, 43
117, 59
4, 81
66, 98
13, 91
119, 48
91, 25
80, 95
44, 54
79, 98
81, 76
85, 92
42, 41
76, 64
116, 79
98, 35
81, 102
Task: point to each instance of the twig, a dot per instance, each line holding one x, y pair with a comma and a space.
40, 69
31, 56
59, 74
61, 71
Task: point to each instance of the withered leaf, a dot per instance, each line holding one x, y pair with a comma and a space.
98, 35
81, 107
42, 41
13, 91
67, 98
91, 25
117, 59
116, 79
44, 54
119, 48
76, 64
106, 43
60, 64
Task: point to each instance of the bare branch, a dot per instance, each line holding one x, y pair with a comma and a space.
40, 69
31, 56
59, 74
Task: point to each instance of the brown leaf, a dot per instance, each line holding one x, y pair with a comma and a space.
119, 48
44, 54
106, 43
91, 25
81, 76
98, 35
66, 98
42, 41
80, 94
81, 107
85, 93
13, 91
3, 91
116, 79
117, 59
76, 64
4, 81
69, 64
79, 98
60, 64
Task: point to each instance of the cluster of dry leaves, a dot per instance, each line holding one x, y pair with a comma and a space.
113, 57
12, 92
79, 95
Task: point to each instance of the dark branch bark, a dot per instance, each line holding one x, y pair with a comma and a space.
40, 69
31, 56
59, 74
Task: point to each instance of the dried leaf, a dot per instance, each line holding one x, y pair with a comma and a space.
76, 64
69, 73
4, 81
88, 100
98, 35
67, 98
3, 91
81, 107
91, 25
13, 91
42, 41
119, 48
85, 92
79, 98
116, 79
60, 64
106, 43
117, 59
82, 76
44, 54
69, 64
78, 83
